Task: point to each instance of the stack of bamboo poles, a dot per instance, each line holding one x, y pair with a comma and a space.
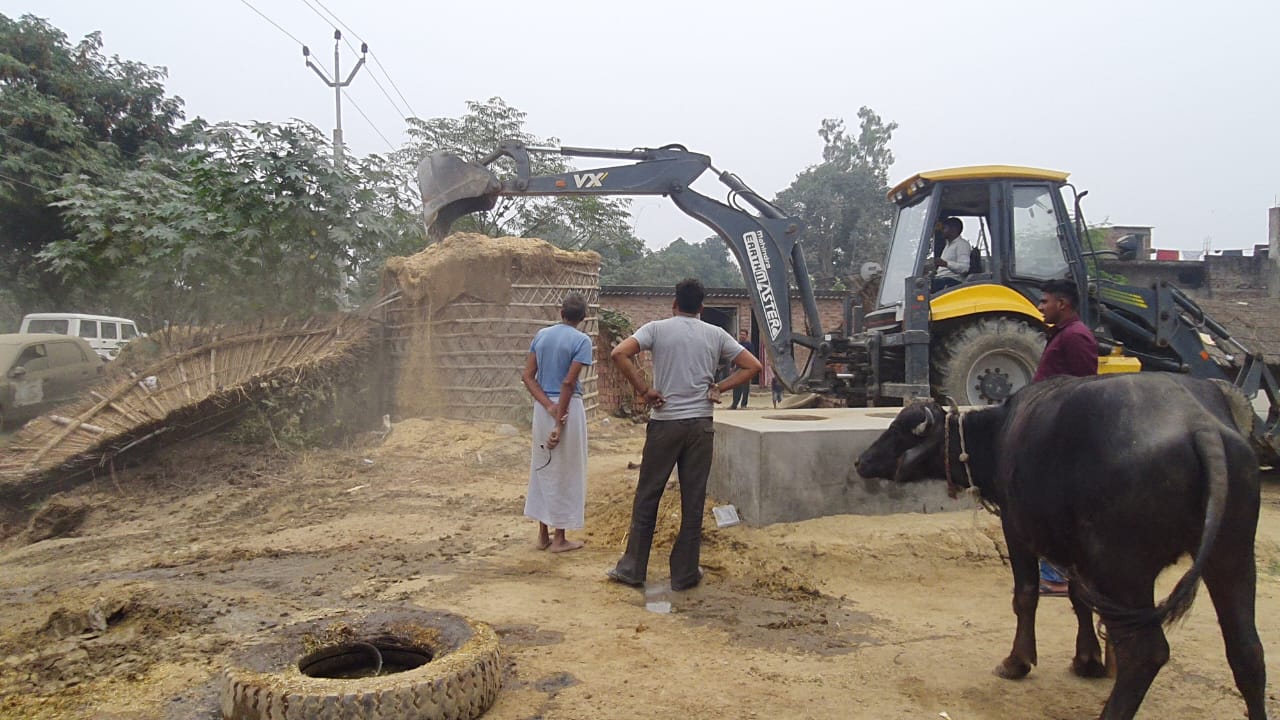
199, 382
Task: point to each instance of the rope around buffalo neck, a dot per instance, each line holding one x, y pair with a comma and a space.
953, 489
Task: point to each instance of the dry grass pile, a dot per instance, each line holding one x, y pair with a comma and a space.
465, 311
478, 266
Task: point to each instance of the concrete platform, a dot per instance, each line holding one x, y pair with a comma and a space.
788, 465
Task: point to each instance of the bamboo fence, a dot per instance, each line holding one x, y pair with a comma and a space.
198, 381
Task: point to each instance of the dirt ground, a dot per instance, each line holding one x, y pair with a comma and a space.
211, 545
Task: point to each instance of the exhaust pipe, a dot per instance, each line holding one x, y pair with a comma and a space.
452, 187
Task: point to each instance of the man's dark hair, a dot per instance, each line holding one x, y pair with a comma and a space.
954, 223
689, 295
1065, 289
574, 307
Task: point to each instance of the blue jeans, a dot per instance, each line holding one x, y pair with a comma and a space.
1051, 573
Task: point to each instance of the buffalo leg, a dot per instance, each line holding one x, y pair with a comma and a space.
1231, 579
1026, 595
1088, 660
1140, 654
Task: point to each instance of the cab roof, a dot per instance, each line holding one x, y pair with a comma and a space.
23, 338
976, 172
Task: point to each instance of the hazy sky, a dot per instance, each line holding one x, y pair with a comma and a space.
1166, 111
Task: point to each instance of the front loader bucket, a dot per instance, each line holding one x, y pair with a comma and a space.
452, 187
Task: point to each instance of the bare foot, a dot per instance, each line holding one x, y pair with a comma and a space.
543, 543
566, 546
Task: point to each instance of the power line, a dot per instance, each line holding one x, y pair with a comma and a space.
336, 82
326, 20
371, 54
273, 22
47, 151
339, 21
393, 83
366, 119
16, 180
385, 94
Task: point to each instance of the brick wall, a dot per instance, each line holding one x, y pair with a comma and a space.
1229, 276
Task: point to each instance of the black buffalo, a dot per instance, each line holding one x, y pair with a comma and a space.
1113, 477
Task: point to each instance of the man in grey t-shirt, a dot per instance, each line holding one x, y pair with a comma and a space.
686, 352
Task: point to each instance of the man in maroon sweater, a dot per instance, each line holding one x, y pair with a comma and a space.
1072, 350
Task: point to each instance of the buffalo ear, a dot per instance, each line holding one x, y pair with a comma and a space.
923, 428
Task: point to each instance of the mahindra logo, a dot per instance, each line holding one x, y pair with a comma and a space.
590, 180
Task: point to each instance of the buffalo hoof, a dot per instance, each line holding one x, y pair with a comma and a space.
1088, 668
1013, 669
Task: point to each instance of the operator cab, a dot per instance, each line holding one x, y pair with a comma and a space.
1015, 220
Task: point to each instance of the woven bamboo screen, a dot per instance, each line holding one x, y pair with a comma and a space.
464, 312
187, 380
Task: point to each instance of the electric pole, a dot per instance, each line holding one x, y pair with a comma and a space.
337, 88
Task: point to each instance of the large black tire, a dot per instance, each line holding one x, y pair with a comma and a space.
459, 682
983, 362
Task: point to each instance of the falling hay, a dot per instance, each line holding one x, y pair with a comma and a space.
460, 316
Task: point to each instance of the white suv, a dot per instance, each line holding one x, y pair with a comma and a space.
105, 334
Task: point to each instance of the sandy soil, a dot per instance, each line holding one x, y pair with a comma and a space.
211, 545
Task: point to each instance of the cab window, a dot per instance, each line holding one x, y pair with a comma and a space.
1037, 247
89, 329
33, 358
128, 331
109, 330
904, 250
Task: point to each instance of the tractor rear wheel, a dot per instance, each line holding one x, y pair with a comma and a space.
985, 361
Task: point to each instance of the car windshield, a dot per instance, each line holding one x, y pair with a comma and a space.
906, 246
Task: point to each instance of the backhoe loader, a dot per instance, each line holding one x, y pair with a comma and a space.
977, 342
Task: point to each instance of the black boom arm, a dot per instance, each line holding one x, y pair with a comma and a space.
765, 245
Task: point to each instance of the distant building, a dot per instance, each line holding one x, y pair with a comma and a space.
1142, 233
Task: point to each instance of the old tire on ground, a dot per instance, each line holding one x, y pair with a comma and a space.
983, 362
459, 679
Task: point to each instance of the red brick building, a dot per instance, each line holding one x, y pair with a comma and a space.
730, 308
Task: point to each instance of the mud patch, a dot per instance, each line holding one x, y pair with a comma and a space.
528, 636
59, 517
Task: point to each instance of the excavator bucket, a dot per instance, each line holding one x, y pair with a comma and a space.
452, 187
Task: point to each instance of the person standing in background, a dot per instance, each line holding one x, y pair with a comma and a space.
743, 391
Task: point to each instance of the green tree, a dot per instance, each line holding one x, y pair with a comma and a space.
66, 112
708, 261
842, 199
593, 222
252, 220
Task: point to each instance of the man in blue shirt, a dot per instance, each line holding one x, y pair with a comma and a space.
557, 495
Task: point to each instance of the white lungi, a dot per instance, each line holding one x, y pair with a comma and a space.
558, 492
